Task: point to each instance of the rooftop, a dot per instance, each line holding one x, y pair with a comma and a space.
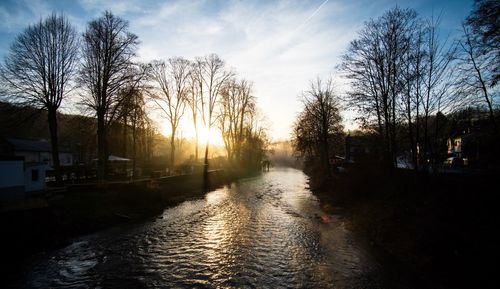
32, 145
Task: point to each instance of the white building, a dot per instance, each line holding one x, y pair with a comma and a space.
18, 178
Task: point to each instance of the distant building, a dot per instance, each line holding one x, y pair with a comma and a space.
455, 146
358, 147
476, 144
18, 177
34, 151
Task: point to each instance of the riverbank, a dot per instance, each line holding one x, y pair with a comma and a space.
88, 208
434, 231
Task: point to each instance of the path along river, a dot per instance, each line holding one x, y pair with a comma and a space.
262, 232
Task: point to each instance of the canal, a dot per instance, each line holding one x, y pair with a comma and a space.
262, 232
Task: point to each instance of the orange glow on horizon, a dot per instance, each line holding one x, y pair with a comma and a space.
214, 136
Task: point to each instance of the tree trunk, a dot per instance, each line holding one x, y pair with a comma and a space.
488, 102
125, 136
205, 169
134, 147
411, 137
484, 90
101, 149
425, 150
195, 124
196, 147
388, 149
325, 144
52, 118
172, 150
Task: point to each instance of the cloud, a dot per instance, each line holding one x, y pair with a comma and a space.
279, 45
121, 7
15, 15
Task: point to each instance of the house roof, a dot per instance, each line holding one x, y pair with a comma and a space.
32, 145
113, 158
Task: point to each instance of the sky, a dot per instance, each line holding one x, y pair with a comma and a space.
278, 45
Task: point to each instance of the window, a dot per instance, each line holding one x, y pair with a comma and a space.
34, 175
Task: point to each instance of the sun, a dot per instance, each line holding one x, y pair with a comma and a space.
213, 136
187, 131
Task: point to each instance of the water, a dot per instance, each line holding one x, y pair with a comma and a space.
263, 232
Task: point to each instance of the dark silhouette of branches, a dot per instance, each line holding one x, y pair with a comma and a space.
485, 27
319, 124
211, 75
236, 104
107, 51
400, 73
39, 68
170, 92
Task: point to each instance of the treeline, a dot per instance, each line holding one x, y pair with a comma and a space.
50, 63
405, 77
77, 134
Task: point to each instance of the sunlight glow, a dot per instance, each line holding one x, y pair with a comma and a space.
213, 136
187, 131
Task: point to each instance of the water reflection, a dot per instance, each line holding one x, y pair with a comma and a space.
264, 232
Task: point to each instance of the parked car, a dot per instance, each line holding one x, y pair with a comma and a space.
456, 162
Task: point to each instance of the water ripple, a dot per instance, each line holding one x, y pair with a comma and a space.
264, 232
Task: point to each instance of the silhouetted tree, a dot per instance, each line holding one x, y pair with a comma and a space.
374, 64
131, 95
211, 75
318, 124
255, 140
477, 78
400, 73
39, 68
235, 104
107, 51
434, 79
170, 92
139, 121
194, 100
483, 21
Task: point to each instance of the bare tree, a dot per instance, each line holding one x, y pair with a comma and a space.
255, 138
39, 68
438, 59
399, 71
485, 27
319, 124
236, 103
107, 51
211, 76
426, 83
170, 92
194, 100
138, 121
474, 72
321, 104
